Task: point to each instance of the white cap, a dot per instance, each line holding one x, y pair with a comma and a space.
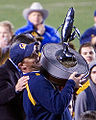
36, 6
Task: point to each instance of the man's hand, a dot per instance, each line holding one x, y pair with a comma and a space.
41, 29
21, 84
93, 40
74, 76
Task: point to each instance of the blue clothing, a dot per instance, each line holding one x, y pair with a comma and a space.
87, 35
50, 35
51, 104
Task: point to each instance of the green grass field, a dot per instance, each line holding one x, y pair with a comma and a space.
12, 10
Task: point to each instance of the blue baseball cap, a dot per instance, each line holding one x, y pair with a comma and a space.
20, 51
95, 13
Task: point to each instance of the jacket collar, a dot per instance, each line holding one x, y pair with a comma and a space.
10, 65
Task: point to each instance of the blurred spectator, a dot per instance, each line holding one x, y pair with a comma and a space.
6, 33
90, 33
11, 85
88, 115
87, 51
35, 16
86, 100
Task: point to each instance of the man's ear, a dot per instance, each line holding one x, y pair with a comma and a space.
22, 67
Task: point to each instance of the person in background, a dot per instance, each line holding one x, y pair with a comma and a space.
88, 52
86, 100
12, 85
35, 16
6, 33
90, 33
88, 115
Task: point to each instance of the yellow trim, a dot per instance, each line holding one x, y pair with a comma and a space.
34, 34
73, 114
39, 54
37, 74
84, 86
30, 96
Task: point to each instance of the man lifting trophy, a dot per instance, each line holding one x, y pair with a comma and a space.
60, 66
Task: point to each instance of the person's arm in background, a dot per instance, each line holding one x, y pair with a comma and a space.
54, 35
86, 36
24, 29
50, 36
7, 89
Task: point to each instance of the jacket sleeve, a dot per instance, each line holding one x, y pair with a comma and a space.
80, 105
50, 98
86, 36
24, 29
7, 90
51, 34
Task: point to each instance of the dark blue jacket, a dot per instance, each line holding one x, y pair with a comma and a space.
11, 107
87, 35
50, 35
50, 103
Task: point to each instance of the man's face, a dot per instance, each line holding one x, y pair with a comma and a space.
5, 36
30, 64
93, 74
36, 18
88, 53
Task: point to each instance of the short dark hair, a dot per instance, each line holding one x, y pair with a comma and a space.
88, 44
22, 38
88, 115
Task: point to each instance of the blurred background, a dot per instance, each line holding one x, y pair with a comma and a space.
84, 9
